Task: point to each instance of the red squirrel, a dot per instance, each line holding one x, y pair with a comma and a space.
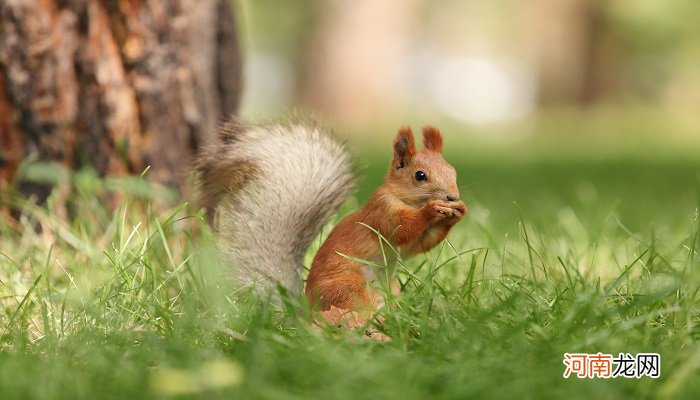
273, 187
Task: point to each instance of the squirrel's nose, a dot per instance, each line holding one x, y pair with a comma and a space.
452, 197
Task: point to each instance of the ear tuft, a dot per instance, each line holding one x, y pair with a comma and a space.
432, 139
404, 147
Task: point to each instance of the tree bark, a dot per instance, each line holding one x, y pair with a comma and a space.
117, 85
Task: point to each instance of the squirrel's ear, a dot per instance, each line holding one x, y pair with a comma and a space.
432, 139
404, 147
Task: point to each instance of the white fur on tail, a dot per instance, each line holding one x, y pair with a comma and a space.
301, 176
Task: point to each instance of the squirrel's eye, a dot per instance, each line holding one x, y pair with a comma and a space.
421, 176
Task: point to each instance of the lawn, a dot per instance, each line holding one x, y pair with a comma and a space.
113, 290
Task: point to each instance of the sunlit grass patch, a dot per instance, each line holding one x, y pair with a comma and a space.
113, 289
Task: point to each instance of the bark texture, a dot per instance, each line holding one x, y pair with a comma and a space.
118, 85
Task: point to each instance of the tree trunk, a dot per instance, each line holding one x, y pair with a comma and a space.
118, 85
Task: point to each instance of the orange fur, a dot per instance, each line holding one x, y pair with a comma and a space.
432, 139
414, 215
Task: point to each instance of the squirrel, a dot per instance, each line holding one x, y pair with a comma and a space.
271, 188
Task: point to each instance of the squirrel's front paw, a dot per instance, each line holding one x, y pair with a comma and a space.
448, 211
440, 209
459, 209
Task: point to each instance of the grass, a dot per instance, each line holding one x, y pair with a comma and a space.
556, 255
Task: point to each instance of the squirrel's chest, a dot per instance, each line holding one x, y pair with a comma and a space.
425, 242
385, 257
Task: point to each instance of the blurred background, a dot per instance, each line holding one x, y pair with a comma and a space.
489, 68
579, 107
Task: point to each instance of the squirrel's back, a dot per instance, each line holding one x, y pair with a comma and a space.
271, 188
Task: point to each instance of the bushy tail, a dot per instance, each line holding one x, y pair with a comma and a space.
271, 189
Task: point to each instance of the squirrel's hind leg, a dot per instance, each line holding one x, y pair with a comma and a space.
351, 320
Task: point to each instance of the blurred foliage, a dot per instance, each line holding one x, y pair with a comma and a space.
638, 47
655, 39
281, 27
